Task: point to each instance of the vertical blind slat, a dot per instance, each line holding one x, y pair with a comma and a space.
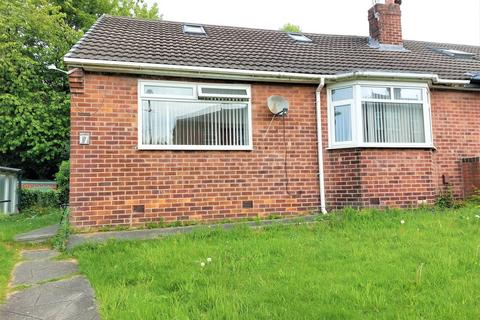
194, 123
386, 122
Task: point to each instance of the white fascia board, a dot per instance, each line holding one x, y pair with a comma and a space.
247, 75
394, 75
190, 71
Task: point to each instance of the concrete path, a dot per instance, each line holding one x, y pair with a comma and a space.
144, 234
55, 290
38, 235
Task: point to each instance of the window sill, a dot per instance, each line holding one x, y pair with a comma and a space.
384, 146
193, 148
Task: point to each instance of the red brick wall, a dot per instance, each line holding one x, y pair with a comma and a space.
378, 177
110, 176
456, 133
342, 174
396, 178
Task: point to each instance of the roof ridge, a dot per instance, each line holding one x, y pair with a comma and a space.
85, 35
224, 26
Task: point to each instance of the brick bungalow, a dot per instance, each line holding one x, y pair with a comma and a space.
169, 120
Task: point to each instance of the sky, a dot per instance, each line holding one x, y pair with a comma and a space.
455, 21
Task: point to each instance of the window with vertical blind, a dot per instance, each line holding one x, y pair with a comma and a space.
370, 114
189, 116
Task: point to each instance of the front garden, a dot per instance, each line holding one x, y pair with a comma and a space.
401, 264
39, 208
352, 264
16, 224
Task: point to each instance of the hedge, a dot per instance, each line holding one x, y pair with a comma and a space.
39, 198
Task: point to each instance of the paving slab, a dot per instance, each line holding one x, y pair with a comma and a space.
38, 235
144, 234
36, 271
41, 254
71, 299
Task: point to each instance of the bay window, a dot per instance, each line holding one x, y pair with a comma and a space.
368, 114
189, 116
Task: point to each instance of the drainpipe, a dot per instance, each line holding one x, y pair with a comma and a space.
321, 177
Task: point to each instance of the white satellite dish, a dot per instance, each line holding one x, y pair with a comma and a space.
278, 105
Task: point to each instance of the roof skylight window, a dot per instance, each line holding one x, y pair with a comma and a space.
455, 53
193, 29
299, 37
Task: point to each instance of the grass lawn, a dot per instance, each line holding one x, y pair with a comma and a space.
9, 227
350, 265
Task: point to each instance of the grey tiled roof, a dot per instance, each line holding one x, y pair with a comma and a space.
163, 42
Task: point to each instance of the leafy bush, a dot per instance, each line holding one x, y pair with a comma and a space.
63, 182
445, 199
30, 198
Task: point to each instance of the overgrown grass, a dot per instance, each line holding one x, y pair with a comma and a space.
59, 241
15, 224
348, 265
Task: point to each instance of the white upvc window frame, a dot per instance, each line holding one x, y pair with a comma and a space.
357, 117
196, 88
331, 115
200, 93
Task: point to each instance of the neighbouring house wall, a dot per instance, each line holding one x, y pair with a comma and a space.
32, 184
456, 134
113, 183
407, 177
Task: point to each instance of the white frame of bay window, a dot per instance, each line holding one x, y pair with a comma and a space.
195, 86
331, 116
357, 116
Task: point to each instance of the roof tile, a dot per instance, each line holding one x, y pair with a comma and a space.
163, 42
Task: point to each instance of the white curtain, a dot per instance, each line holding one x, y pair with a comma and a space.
386, 122
194, 123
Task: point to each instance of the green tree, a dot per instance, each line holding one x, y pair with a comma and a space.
34, 111
289, 27
81, 14
34, 101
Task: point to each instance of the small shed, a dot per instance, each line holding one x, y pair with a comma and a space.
9, 194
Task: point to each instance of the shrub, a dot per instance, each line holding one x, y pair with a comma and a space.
445, 199
38, 198
63, 181
59, 242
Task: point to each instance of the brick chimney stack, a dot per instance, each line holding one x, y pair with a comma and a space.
385, 23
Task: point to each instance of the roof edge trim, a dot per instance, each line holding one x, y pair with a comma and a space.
7, 169
243, 74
